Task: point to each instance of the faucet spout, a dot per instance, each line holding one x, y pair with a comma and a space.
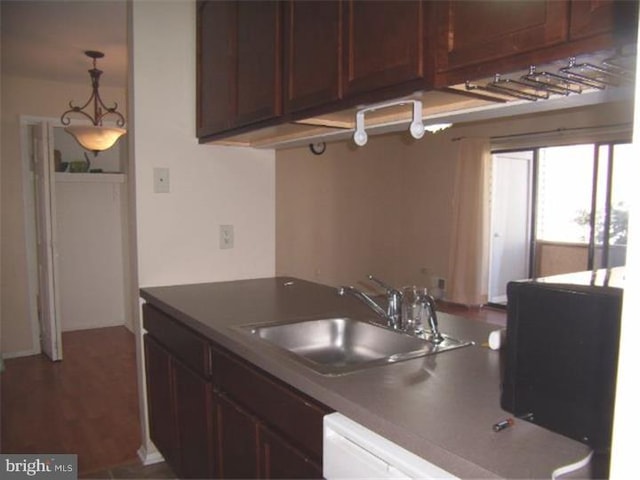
366, 299
436, 336
394, 303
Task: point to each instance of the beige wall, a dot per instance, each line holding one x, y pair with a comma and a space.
178, 232
24, 96
90, 232
384, 208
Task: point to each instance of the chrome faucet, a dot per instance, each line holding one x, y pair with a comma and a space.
366, 299
436, 336
394, 303
393, 315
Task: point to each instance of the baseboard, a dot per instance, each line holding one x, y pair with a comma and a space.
497, 306
149, 458
23, 353
79, 328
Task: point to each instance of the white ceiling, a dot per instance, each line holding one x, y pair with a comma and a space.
47, 39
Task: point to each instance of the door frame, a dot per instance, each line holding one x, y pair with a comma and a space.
531, 186
31, 233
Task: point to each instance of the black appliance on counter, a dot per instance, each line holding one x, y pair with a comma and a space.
562, 353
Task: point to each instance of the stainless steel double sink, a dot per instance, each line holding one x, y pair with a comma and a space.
336, 346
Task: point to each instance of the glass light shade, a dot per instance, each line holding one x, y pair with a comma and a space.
95, 138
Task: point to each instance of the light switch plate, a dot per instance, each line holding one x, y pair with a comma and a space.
161, 180
226, 236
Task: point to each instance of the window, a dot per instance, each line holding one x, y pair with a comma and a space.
580, 196
564, 194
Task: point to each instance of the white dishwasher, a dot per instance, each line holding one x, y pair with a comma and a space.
352, 451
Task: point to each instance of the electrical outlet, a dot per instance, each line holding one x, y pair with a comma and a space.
161, 180
226, 236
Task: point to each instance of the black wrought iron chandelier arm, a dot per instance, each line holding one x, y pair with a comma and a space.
105, 111
100, 110
65, 120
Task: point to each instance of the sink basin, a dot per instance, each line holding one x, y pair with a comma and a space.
335, 346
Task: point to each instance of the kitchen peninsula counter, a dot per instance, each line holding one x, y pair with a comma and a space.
440, 407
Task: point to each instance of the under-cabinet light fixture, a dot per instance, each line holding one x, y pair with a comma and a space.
416, 128
95, 137
437, 127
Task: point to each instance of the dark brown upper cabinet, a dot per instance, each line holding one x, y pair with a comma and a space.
477, 39
312, 44
259, 69
216, 61
263, 63
596, 17
239, 69
384, 45
474, 32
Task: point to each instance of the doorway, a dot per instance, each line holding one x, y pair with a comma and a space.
511, 197
77, 234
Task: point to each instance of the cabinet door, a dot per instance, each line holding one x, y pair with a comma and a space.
163, 428
312, 54
280, 459
259, 78
284, 408
216, 63
383, 44
236, 440
239, 78
472, 32
593, 17
195, 426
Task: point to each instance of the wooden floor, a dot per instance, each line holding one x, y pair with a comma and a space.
86, 404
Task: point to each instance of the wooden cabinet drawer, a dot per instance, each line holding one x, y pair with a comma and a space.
188, 346
297, 417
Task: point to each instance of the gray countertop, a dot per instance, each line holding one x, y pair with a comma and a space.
440, 407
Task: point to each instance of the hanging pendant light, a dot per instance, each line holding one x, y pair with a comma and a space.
96, 137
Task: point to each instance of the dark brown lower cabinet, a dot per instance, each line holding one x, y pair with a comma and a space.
280, 459
195, 425
239, 422
180, 419
163, 428
247, 448
236, 440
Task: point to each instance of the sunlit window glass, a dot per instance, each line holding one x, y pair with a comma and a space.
565, 179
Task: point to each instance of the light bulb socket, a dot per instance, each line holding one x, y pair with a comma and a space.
417, 129
360, 137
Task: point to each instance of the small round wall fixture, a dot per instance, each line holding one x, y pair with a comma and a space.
317, 148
